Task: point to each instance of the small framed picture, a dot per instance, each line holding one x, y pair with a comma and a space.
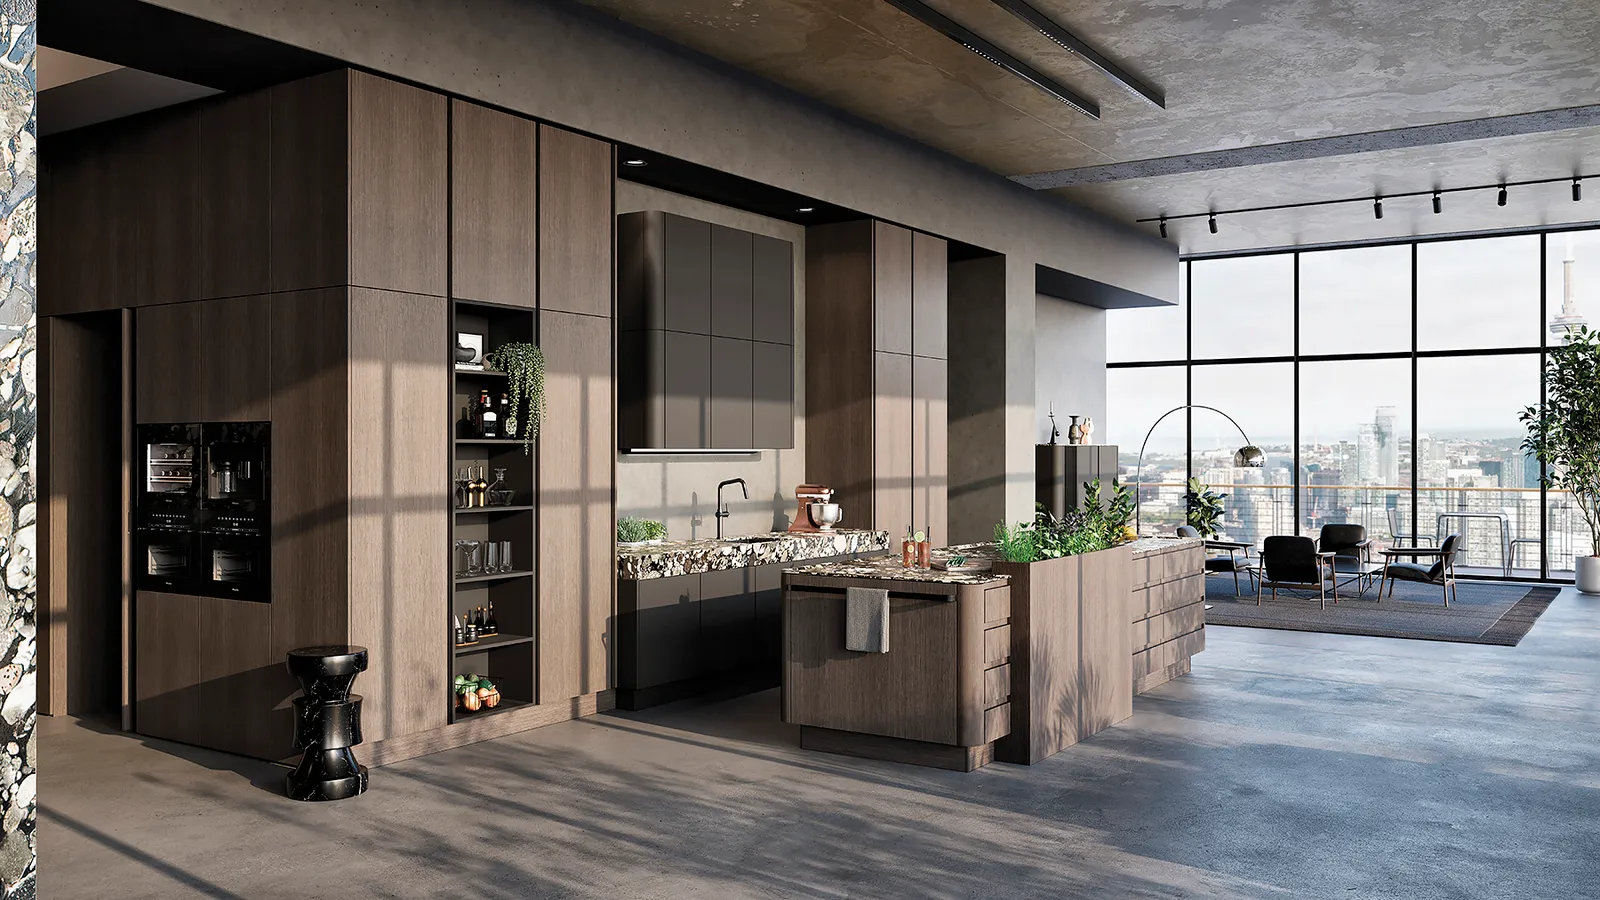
467, 341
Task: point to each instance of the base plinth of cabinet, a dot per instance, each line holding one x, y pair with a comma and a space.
721, 686
900, 750
1161, 676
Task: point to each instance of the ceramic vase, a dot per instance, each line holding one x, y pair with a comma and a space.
1074, 431
1589, 574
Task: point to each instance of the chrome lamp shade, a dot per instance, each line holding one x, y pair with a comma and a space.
1249, 457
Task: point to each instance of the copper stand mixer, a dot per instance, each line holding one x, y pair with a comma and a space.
817, 511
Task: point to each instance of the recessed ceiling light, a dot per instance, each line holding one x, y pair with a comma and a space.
636, 163
804, 209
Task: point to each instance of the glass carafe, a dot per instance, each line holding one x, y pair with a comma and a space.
499, 493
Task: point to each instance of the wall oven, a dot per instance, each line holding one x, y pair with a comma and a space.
204, 509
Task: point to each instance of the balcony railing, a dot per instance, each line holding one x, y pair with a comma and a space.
1254, 511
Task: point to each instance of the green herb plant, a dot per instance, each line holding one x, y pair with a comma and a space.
523, 364
632, 530
1099, 524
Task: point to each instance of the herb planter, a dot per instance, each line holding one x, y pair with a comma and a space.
1070, 646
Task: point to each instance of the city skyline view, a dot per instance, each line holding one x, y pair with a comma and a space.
1361, 419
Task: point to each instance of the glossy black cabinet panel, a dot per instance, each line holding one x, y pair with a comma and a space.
660, 633
727, 620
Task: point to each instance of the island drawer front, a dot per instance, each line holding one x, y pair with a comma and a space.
997, 723
997, 604
997, 645
1175, 564
997, 685
1162, 598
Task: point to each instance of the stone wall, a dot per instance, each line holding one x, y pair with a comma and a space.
18, 176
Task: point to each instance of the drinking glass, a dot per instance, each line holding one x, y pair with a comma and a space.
493, 553
505, 556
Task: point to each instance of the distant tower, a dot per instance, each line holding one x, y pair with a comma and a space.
1388, 446
1570, 319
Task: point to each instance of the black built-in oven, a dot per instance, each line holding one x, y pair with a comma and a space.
204, 509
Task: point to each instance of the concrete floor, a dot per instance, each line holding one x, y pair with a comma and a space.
1287, 766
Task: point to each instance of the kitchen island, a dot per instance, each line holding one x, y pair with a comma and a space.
938, 697
702, 615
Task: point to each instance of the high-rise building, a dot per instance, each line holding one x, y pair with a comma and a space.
1570, 319
1383, 428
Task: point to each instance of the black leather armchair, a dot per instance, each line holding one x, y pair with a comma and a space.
1352, 551
1442, 572
1290, 561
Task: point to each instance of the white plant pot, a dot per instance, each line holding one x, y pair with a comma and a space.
1589, 574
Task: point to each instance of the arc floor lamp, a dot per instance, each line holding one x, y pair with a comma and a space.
1247, 457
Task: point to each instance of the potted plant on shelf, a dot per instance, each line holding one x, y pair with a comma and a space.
1205, 509
523, 364
1564, 435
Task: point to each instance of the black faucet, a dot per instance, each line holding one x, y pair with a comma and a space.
722, 508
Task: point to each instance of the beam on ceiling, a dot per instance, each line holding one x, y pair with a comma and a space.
1318, 148
1076, 45
970, 39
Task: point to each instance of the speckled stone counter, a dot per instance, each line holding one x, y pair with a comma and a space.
890, 568
1150, 546
671, 558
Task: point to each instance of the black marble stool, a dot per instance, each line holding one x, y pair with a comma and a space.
327, 723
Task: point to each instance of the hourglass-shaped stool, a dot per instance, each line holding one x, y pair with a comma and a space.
327, 723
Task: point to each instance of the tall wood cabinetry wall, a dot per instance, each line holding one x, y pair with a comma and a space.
877, 374
295, 255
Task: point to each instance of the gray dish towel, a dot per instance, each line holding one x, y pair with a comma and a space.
866, 620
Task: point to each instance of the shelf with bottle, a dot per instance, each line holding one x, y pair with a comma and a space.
475, 492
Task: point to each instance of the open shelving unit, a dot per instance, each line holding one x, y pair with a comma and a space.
510, 658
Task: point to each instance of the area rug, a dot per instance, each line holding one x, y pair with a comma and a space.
1484, 613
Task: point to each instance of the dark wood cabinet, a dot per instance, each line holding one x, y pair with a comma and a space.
930, 452
876, 375
732, 394
772, 290
930, 290
235, 196
685, 266
494, 206
682, 280
576, 178
310, 152
576, 561
772, 378
399, 186
732, 284
204, 362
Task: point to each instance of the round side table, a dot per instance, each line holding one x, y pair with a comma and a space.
327, 723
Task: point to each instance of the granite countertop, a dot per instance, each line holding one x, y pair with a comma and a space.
890, 568
642, 561
1150, 546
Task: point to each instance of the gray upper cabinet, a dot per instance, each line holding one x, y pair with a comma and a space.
732, 261
686, 275
773, 290
706, 323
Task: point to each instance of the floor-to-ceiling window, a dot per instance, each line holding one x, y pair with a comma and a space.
1383, 382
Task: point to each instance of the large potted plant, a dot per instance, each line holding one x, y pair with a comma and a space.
1564, 435
1070, 641
1205, 509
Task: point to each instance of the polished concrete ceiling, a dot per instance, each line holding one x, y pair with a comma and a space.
1266, 102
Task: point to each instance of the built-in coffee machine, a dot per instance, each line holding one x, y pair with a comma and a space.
204, 509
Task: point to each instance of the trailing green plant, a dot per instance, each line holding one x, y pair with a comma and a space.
523, 364
1564, 433
1205, 509
632, 529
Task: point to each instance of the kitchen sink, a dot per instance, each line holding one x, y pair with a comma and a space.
749, 540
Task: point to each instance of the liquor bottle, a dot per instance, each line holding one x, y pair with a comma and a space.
506, 427
488, 419
490, 625
480, 489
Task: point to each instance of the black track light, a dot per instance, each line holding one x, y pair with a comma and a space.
1438, 203
1502, 199
1213, 223
1377, 207
1163, 226
1577, 189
